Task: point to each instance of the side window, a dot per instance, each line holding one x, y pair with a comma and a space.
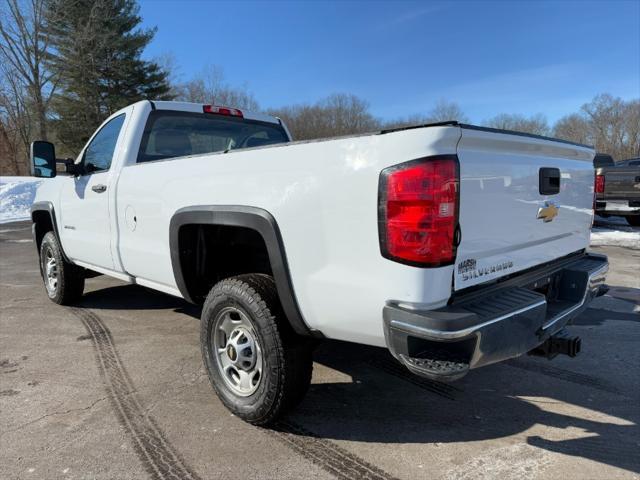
99, 152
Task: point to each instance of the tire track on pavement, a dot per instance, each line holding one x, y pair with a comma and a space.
326, 454
159, 457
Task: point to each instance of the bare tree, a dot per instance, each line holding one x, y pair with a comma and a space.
8, 159
632, 127
23, 48
305, 122
347, 114
614, 125
611, 124
338, 114
209, 86
169, 63
606, 119
17, 122
411, 120
443, 111
536, 124
574, 127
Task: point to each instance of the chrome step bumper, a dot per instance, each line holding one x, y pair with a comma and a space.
505, 323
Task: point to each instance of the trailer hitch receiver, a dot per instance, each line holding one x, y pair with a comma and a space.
562, 343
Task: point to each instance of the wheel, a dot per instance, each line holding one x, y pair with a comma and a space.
633, 220
63, 281
256, 363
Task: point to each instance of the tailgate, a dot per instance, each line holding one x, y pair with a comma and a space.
507, 225
622, 183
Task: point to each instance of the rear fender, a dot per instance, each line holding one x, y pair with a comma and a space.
249, 217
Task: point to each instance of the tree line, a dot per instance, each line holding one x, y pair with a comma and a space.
66, 65
609, 123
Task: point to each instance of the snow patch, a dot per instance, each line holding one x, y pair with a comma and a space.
616, 238
614, 231
16, 197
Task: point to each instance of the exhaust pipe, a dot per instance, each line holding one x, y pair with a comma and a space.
559, 344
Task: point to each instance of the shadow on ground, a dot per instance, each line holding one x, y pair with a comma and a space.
376, 400
493, 402
135, 297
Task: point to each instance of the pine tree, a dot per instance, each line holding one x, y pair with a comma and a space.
96, 48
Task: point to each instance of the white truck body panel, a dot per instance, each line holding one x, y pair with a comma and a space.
499, 202
324, 197
308, 188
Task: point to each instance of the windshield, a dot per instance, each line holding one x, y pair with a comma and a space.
170, 134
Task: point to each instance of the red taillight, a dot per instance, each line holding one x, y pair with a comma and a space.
599, 183
418, 211
230, 112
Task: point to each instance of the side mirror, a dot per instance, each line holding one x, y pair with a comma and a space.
43, 159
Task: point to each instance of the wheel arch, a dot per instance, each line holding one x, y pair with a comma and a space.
252, 218
43, 216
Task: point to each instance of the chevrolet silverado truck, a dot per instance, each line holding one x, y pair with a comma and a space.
618, 189
453, 246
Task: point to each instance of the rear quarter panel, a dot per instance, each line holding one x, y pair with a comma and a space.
323, 196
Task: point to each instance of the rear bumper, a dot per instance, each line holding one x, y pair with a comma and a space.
494, 324
618, 207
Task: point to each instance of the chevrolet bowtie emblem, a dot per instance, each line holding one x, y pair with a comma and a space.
548, 212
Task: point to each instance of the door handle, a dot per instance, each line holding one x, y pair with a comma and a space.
99, 188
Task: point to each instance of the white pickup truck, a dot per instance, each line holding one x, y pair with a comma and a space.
453, 246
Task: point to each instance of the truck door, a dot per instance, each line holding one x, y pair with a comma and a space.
84, 201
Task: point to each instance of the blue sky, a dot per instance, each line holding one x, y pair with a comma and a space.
524, 57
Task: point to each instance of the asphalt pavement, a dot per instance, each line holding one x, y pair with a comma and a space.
115, 389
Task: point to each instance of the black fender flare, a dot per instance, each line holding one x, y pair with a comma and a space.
256, 219
46, 206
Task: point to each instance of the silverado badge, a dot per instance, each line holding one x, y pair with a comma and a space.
469, 269
548, 212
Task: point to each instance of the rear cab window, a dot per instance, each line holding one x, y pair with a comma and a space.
170, 134
603, 160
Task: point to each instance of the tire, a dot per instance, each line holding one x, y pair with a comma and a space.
633, 220
63, 281
244, 311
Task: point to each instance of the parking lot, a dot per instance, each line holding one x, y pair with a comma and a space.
115, 389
